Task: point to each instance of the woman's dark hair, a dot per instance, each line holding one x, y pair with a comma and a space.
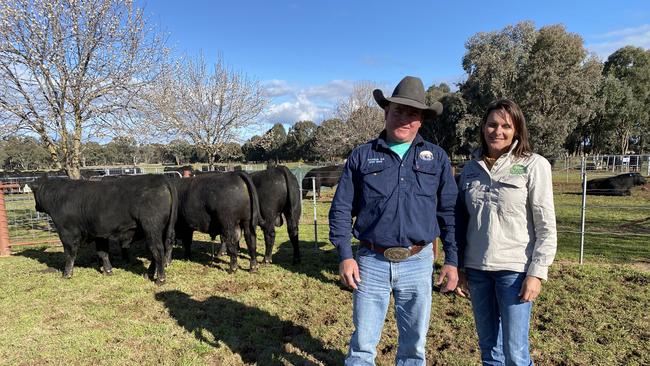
517, 116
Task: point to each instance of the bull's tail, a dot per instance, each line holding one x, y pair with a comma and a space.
170, 234
293, 192
256, 217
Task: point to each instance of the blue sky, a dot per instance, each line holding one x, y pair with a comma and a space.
309, 53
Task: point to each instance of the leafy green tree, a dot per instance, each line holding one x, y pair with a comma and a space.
24, 153
93, 154
631, 66
122, 150
493, 63
230, 152
436, 92
297, 142
179, 150
442, 131
331, 140
557, 88
252, 150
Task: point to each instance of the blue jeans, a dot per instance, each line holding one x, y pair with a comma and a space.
502, 320
410, 283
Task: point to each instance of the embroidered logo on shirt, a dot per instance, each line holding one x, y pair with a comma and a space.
518, 169
426, 155
375, 160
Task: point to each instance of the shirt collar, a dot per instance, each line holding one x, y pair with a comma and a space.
381, 141
478, 153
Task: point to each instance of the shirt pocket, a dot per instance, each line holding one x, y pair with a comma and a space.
376, 182
474, 193
427, 176
513, 193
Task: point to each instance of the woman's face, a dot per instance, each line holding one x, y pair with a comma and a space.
499, 131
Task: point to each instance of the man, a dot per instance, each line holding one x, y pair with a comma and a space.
401, 190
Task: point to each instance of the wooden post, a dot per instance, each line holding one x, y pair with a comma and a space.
4, 227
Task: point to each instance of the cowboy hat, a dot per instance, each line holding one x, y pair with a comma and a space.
410, 92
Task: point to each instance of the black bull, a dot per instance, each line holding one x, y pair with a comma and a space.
615, 186
118, 210
327, 176
219, 204
279, 194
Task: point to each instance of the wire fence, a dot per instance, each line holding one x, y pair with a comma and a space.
590, 226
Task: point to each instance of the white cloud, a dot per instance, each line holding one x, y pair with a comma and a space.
291, 103
277, 88
611, 41
300, 108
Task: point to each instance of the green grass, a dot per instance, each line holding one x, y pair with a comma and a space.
594, 314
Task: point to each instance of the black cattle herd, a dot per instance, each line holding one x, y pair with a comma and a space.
159, 210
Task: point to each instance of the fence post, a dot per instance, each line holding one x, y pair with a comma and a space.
4, 226
584, 207
313, 184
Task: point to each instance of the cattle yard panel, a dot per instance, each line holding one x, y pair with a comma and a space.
23, 224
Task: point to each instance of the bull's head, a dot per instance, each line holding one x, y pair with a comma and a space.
36, 187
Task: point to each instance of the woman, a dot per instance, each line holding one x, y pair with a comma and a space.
505, 207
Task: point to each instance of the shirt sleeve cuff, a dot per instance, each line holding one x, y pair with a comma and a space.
538, 271
345, 251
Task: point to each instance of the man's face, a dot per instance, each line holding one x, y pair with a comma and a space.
402, 122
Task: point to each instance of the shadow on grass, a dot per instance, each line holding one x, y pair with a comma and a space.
86, 258
313, 262
206, 253
257, 336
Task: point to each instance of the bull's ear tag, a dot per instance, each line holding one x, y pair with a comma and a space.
518, 169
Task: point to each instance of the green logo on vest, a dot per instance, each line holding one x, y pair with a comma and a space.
518, 169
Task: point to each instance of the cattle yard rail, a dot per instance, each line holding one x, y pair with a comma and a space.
20, 224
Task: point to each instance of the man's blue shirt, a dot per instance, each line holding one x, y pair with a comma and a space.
396, 202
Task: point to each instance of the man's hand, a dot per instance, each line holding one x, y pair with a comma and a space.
451, 274
349, 272
530, 289
463, 287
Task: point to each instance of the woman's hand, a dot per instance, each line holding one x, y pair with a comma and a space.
530, 289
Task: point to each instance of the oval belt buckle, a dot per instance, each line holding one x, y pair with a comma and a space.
397, 254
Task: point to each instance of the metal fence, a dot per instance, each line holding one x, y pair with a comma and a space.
589, 226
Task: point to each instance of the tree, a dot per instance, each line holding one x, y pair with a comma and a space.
23, 153
252, 150
364, 119
557, 88
122, 150
631, 66
69, 69
442, 131
272, 141
493, 63
180, 150
331, 140
547, 72
621, 111
231, 151
92, 153
298, 137
209, 106
436, 92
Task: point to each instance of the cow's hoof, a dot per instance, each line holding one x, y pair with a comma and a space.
67, 276
231, 270
107, 273
267, 261
221, 254
254, 268
160, 281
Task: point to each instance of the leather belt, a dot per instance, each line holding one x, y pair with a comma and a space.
394, 254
